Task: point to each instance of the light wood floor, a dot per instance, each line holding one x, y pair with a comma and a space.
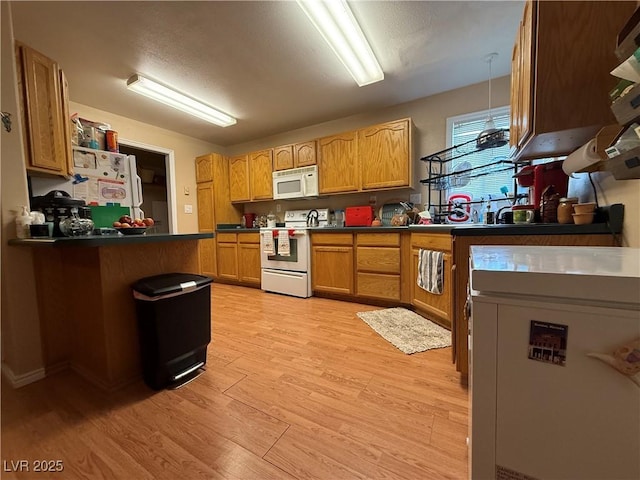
294, 389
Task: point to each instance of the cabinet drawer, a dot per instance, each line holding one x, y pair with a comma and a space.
378, 286
431, 242
249, 237
379, 239
378, 259
226, 237
332, 239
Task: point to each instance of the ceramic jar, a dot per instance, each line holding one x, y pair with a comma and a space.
565, 209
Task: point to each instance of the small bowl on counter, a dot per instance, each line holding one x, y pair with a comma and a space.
583, 218
580, 208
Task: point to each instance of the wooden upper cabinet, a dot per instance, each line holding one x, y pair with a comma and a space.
66, 122
385, 155
294, 156
204, 168
43, 106
283, 157
206, 218
304, 154
562, 92
239, 179
338, 163
260, 173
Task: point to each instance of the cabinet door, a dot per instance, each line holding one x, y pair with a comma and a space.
337, 163
42, 103
206, 220
304, 154
228, 261
385, 155
514, 124
260, 172
441, 306
208, 263
332, 269
525, 74
204, 169
239, 179
66, 122
249, 263
283, 157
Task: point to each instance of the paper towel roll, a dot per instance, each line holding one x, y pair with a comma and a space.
583, 157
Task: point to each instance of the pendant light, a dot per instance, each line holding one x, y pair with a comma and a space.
490, 136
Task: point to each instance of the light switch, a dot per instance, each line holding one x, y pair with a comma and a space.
188, 208
186, 190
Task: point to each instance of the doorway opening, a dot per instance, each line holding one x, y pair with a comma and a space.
156, 169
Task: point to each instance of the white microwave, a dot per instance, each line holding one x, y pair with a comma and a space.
295, 183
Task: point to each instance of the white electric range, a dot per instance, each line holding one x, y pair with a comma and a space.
289, 274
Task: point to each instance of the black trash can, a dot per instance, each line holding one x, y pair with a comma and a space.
174, 327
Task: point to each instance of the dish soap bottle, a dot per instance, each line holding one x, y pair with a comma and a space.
22, 223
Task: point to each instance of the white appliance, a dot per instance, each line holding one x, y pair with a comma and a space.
100, 177
289, 274
295, 183
542, 405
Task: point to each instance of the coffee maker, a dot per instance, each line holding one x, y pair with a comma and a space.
539, 177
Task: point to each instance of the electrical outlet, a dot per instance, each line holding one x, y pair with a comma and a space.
415, 198
188, 208
372, 199
278, 208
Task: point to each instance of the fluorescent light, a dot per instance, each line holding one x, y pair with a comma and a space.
335, 21
151, 89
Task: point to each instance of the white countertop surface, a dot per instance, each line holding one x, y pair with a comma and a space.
604, 274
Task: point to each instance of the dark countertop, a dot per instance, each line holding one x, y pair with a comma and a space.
108, 240
467, 229
481, 229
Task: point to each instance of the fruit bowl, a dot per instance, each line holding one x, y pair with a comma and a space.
132, 230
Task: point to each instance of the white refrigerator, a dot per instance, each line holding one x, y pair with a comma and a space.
554, 363
100, 178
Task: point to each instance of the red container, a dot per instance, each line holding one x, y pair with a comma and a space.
358, 216
111, 138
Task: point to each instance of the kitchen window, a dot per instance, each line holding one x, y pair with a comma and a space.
463, 128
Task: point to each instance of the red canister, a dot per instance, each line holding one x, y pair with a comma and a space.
111, 138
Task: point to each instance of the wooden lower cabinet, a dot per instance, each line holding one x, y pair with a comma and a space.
208, 254
332, 263
438, 308
227, 256
249, 258
239, 257
378, 265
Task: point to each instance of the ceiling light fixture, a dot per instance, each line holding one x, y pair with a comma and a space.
336, 23
490, 136
151, 89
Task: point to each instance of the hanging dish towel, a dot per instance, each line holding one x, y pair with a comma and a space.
430, 271
283, 243
267, 242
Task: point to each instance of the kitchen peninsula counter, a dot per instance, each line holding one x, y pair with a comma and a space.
87, 312
108, 240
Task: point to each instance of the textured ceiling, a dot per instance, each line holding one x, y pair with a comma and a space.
262, 62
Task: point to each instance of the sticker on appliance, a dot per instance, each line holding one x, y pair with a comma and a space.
548, 342
111, 190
